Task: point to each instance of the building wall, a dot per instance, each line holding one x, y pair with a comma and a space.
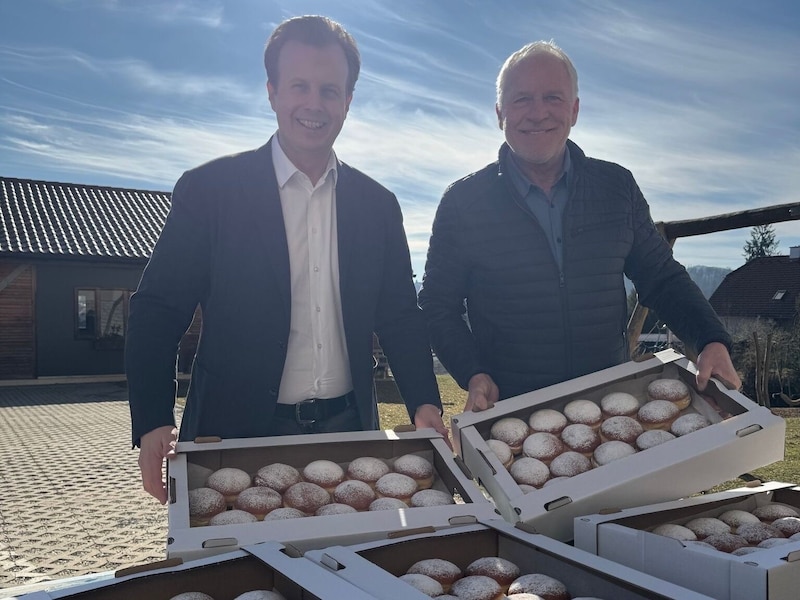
17, 340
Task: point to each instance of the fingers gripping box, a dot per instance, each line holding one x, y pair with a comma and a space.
376, 566
626, 536
741, 436
196, 461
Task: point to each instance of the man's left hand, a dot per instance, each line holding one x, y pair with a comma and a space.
428, 415
715, 361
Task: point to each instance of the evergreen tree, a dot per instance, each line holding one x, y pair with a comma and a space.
762, 242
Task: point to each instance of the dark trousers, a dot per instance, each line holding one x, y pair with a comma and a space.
347, 420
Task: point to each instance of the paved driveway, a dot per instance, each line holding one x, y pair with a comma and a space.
71, 501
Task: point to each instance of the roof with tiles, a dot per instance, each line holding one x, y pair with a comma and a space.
766, 287
66, 220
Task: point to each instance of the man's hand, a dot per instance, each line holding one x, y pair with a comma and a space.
714, 360
155, 446
482, 393
428, 415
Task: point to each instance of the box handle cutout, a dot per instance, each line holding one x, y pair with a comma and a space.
463, 466
748, 430
563, 501
173, 494
463, 520
404, 532
220, 542
331, 563
486, 460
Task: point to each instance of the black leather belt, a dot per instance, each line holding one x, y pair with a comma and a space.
309, 411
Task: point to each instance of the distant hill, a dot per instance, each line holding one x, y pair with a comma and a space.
706, 278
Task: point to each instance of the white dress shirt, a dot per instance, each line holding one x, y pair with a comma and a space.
317, 365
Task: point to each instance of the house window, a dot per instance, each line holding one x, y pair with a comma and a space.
779, 294
101, 315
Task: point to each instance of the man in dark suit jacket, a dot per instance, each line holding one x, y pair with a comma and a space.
295, 259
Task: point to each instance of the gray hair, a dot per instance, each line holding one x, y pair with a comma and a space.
528, 51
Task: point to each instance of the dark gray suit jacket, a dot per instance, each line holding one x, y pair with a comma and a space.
224, 246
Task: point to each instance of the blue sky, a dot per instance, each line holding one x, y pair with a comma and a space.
699, 99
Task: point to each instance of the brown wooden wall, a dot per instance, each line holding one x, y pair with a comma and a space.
17, 310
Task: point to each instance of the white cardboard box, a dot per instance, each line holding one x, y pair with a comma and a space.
196, 460
262, 566
375, 566
624, 537
750, 437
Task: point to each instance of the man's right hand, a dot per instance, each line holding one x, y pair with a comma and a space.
482, 393
155, 446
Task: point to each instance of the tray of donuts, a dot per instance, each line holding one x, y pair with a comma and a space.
740, 544
314, 490
634, 434
489, 560
267, 571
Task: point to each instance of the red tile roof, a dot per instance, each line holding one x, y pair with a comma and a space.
68, 220
751, 290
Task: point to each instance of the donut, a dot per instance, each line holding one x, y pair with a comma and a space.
325, 473
550, 481
367, 469
619, 404
772, 511
306, 497
204, 503
569, 464
258, 501
657, 414
755, 533
229, 481
417, 467
527, 489
530, 471
788, 526
396, 485
699, 544
334, 508
726, 542
735, 518
542, 445
232, 517
621, 428
675, 531
585, 412
547, 587
501, 451
192, 596
278, 476
548, 420
355, 493
688, 423
431, 497
581, 438
653, 437
387, 504
260, 595
510, 430
608, 452
745, 550
439, 569
671, 390
772, 542
477, 587
427, 585
706, 526
279, 514
502, 570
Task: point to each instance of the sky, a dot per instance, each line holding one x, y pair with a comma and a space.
699, 99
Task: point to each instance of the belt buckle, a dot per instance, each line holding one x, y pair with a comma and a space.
298, 418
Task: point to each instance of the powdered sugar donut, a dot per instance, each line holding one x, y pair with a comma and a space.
657, 414
396, 485
671, 390
204, 503
431, 497
192, 596
510, 430
569, 464
688, 423
306, 497
581, 438
229, 481
417, 467
501, 451
367, 469
621, 428
280, 514
788, 526
548, 420
755, 533
325, 473
527, 489
258, 501
427, 585
772, 542
619, 404
387, 504
608, 452
477, 587
278, 476
653, 437
543, 446
675, 531
502, 570
539, 583
583, 411
260, 595
530, 471
706, 526
439, 569
773, 510
334, 508
736, 517
726, 542
355, 493
745, 550
232, 517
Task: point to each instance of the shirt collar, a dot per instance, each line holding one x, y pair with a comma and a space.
521, 182
285, 169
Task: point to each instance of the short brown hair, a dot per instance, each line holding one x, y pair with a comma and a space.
317, 31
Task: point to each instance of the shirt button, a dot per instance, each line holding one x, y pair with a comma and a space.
319, 346
316, 269
318, 309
